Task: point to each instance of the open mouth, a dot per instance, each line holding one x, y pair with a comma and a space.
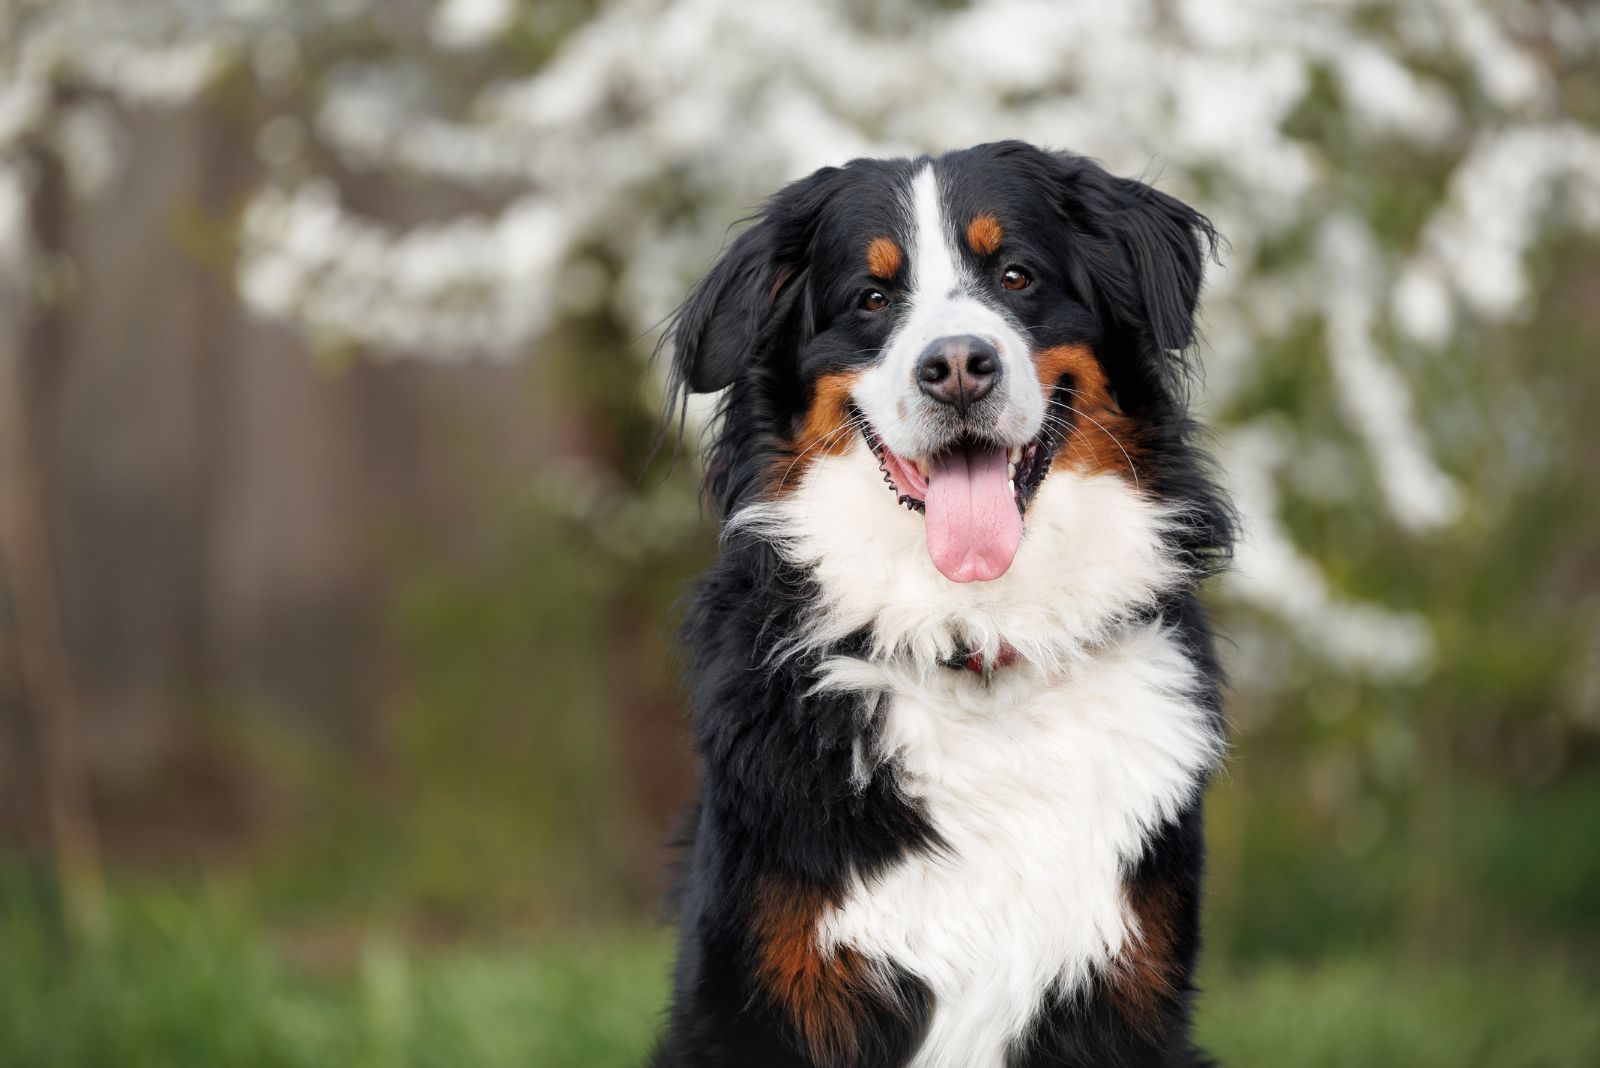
974, 494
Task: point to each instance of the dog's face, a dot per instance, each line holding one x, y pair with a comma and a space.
979, 319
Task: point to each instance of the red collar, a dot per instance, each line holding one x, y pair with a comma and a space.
976, 664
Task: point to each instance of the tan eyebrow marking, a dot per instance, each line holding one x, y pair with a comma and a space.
984, 234
883, 258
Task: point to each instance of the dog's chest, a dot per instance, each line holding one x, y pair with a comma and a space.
1043, 798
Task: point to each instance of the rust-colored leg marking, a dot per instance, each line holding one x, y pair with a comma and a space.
823, 994
1145, 975
984, 234
1103, 439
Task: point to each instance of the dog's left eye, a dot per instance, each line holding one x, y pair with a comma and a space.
873, 300
1015, 278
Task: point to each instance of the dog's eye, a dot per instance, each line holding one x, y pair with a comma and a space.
873, 300
1015, 278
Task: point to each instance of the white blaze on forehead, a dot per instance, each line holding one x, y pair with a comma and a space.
936, 273
943, 299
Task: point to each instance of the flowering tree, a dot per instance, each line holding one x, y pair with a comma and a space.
1382, 173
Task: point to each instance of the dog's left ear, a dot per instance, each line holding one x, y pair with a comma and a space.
1166, 243
1142, 253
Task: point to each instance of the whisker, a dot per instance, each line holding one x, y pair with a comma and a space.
1070, 432
854, 422
1114, 439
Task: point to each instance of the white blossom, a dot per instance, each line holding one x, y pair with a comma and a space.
470, 23
654, 124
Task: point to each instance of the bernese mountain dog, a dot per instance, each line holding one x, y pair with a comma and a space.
954, 697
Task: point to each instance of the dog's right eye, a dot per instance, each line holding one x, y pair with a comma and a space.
873, 300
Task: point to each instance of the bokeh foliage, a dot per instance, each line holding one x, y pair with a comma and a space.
451, 853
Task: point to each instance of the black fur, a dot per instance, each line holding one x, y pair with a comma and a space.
1119, 266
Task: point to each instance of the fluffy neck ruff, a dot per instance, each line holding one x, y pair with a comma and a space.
1096, 553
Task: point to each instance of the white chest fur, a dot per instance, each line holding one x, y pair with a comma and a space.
1043, 794
1043, 786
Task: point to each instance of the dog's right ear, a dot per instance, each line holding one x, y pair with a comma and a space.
720, 326
733, 315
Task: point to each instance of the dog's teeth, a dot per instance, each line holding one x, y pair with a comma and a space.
922, 465
1011, 469
1013, 484
1014, 455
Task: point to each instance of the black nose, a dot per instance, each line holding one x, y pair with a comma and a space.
958, 370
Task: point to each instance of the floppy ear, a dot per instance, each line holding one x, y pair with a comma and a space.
1143, 252
718, 329
733, 314
1166, 243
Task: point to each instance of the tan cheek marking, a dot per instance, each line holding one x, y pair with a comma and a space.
1145, 975
1103, 439
823, 994
984, 234
883, 258
825, 432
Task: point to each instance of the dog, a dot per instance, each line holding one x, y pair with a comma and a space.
954, 697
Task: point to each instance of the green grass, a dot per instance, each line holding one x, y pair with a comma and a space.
1360, 1013
192, 979
180, 983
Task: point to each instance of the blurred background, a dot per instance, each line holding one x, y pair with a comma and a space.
338, 715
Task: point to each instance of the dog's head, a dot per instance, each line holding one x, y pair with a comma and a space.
979, 319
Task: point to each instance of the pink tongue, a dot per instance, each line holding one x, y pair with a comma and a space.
973, 524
